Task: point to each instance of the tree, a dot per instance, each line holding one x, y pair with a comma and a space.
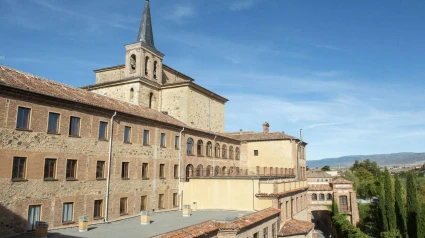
389, 201
307, 168
400, 210
368, 165
326, 168
383, 222
366, 188
413, 209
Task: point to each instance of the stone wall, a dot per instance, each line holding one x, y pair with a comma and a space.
110, 75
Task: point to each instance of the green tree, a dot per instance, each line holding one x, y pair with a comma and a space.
383, 222
413, 209
326, 168
363, 173
399, 207
368, 165
366, 188
389, 201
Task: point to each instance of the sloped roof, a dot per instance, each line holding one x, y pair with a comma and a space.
16, 79
198, 230
341, 181
260, 136
281, 193
250, 219
318, 174
295, 227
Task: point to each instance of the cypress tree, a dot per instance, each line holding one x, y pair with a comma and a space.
413, 226
383, 222
389, 201
399, 208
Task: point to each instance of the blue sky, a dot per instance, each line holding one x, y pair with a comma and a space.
350, 73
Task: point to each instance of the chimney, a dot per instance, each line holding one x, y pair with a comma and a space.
266, 127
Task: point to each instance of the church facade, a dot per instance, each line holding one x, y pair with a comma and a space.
133, 141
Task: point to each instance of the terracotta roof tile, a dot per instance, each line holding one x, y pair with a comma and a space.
250, 219
260, 136
341, 181
296, 227
198, 230
318, 174
281, 193
319, 187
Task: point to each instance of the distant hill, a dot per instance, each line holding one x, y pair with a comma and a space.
382, 160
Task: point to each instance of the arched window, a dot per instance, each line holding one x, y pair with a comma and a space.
276, 171
150, 100
231, 152
217, 150
286, 171
133, 63
189, 171
131, 94
281, 171
209, 149
314, 197
224, 152
146, 66
329, 196
208, 171
217, 171
321, 197
199, 171
189, 147
199, 148
223, 171
237, 173
271, 171
343, 203
238, 153
155, 68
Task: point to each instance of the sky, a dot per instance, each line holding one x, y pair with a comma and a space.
351, 74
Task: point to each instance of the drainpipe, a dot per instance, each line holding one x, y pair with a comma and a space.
108, 178
215, 137
180, 158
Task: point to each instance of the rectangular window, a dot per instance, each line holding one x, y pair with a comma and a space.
265, 232
176, 171
175, 200
53, 123
67, 212
123, 206
74, 126
176, 142
127, 134
255, 152
145, 170
19, 168
162, 140
255, 235
343, 203
143, 203
50, 169
23, 120
145, 137
100, 170
162, 170
274, 230
124, 170
161, 201
98, 209
103, 130
71, 169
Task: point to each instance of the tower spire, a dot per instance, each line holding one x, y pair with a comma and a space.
145, 31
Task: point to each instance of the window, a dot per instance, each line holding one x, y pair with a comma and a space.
274, 230
100, 170
175, 200
161, 201
127, 134
162, 170
49, 169
287, 208
145, 170
98, 209
209, 149
150, 100
199, 148
231, 152
71, 169
321, 197
146, 65
19, 168
238, 153
74, 126
343, 203
176, 142
143, 203
23, 120
189, 147
131, 94
53, 123
103, 132
224, 152
314, 197
124, 170
67, 212
265, 232
162, 140
123, 206
255, 235
255, 152
329, 196
176, 171
145, 137
217, 150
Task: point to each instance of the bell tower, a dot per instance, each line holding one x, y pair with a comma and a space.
142, 59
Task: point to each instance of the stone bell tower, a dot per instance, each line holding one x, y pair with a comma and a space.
142, 59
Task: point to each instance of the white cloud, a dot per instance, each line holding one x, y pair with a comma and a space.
238, 5
180, 13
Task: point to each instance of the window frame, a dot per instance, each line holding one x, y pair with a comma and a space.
145, 171
124, 210
57, 131
21, 169
176, 142
127, 134
175, 200
70, 127
105, 138
176, 171
102, 177
143, 203
75, 170
72, 213
163, 140
199, 148
146, 137
161, 202
100, 208
162, 171
125, 173
28, 124
54, 175
256, 153
190, 146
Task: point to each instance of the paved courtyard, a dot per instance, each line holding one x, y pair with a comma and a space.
161, 223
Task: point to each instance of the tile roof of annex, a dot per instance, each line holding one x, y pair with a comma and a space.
296, 227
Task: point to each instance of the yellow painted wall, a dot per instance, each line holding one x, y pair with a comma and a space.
270, 154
